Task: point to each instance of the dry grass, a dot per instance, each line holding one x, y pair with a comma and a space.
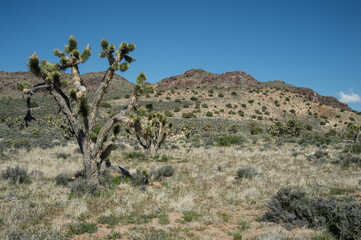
203, 200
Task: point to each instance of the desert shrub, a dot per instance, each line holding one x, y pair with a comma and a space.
229, 105
209, 114
105, 105
33, 104
82, 227
221, 95
149, 106
354, 148
80, 187
234, 128
193, 98
21, 143
352, 159
62, 179
160, 173
318, 156
253, 128
190, 216
246, 172
63, 155
231, 112
233, 93
251, 101
163, 158
229, 140
241, 113
258, 112
110, 220
140, 156
177, 109
331, 133
140, 178
243, 105
295, 209
168, 114
185, 105
188, 115
16, 175
204, 105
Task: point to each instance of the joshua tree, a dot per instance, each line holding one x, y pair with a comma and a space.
95, 143
354, 131
149, 129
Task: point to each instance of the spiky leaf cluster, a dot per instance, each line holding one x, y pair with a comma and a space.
50, 72
116, 56
74, 56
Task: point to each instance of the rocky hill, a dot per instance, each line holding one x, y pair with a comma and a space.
199, 77
193, 77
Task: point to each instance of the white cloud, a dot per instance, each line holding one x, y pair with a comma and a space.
349, 97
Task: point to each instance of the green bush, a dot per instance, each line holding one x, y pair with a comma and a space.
140, 178
140, 156
188, 115
221, 95
62, 179
168, 114
229, 105
209, 114
82, 227
149, 106
229, 140
295, 209
110, 220
105, 105
160, 173
16, 175
204, 105
80, 187
246, 172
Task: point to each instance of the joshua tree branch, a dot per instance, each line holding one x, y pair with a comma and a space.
98, 98
79, 133
121, 117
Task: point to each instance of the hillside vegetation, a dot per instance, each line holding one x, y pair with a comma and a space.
244, 160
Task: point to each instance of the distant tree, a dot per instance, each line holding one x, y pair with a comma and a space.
149, 129
189, 129
95, 141
354, 131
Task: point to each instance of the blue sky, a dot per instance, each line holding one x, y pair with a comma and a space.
315, 44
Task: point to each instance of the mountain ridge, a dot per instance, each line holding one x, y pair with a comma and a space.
242, 79
192, 77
